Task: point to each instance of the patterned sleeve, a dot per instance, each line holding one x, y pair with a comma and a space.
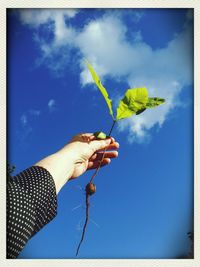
31, 204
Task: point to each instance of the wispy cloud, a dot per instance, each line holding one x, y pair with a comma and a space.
36, 17
34, 112
23, 119
25, 122
51, 105
29, 117
163, 71
104, 43
59, 35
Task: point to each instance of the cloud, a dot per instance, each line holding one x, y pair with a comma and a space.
165, 72
29, 114
23, 119
104, 42
57, 35
104, 52
36, 17
34, 112
27, 119
51, 105
137, 15
25, 128
133, 15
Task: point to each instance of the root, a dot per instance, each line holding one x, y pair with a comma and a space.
86, 221
90, 189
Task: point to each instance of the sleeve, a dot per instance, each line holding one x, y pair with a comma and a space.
31, 204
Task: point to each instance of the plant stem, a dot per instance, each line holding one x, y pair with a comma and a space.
85, 224
87, 195
97, 169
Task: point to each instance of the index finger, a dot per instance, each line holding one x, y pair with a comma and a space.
93, 137
113, 145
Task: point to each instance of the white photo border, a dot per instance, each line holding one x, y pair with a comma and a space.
4, 5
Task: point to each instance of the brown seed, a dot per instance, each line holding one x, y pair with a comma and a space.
90, 188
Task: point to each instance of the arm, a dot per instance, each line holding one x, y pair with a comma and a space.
31, 195
31, 204
82, 153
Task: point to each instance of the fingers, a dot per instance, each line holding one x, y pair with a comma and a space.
111, 146
83, 137
91, 137
95, 160
95, 164
96, 145
107, 154
87, 137
107, 144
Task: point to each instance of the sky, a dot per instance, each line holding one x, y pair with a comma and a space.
143, 207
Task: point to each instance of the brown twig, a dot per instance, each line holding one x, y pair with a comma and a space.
87, 194
97, 169
86, 221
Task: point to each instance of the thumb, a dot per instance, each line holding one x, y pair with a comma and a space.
100, 144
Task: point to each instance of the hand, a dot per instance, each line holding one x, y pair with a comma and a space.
87, 152
82, 153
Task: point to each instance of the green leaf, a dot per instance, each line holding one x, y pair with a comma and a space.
134, 101
140, 111
154, 102
101, 88
100, 135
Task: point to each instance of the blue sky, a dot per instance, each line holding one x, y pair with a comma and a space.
143, 207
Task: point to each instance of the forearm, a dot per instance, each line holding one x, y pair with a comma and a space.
73, 159
60, 165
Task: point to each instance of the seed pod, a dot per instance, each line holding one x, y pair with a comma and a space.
100, 135
90, 188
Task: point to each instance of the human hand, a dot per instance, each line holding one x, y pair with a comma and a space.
83, 152
88, 152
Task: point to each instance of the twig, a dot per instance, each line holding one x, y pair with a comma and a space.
87, 195
86, 221
97, 169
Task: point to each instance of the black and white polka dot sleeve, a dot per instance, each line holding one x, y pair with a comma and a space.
31, 204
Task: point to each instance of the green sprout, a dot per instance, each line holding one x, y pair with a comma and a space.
134, 102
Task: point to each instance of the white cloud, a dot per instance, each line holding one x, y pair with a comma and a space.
34, 112
23, 119
163, 71
28, 117
104, 43
51, 105
138, 15
133, 15
137, 36
56, 19
35, 17
25, 127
